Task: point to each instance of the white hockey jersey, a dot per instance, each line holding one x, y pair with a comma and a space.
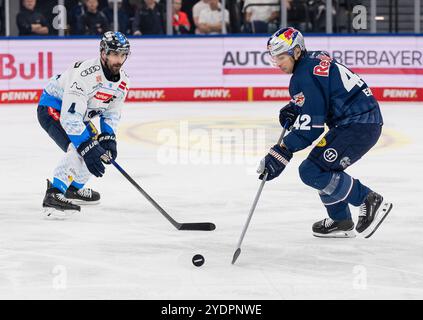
81, 93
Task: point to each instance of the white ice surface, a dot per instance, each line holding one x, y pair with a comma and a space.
124, 249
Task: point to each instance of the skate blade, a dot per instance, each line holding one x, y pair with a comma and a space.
381, 214
82, 202
336, 234
54, 214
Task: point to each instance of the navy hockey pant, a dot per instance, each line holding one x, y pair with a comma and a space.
324, 167
72, 165
49, 119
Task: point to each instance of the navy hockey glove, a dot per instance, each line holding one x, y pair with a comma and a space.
93, 155
288, 115
108, 142
274, 162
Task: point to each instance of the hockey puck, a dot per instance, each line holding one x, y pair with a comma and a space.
198, 260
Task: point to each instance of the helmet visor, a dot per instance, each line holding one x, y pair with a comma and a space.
120, 50
278, 59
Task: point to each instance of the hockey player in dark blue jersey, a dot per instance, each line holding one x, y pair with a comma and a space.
325, 92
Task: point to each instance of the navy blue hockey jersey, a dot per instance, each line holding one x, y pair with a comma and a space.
328, 93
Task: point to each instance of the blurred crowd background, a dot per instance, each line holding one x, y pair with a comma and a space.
149, 17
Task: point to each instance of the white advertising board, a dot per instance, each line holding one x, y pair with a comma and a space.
189, 64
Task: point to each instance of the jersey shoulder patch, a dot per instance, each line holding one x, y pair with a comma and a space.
298, 99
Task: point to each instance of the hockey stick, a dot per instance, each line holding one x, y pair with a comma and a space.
253, 207
200, 226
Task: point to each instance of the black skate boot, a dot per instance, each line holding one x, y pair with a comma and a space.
56, 205
82, 196
372, 213
328, 228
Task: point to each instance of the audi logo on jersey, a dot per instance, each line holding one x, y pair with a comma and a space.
90, 70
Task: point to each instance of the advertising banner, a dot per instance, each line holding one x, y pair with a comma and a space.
212, 69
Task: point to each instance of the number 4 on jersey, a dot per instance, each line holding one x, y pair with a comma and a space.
72, 108
349, 79
303, 122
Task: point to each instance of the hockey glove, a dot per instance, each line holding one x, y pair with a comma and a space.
275, 162
93, 155
108, 142
288, 115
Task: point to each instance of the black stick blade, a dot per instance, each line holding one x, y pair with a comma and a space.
199, 226
236, 255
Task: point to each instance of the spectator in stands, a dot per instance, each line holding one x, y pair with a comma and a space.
131, 7
30, 21
74, 18
210, 20
149, 19
123, 18
261, 18
93, 21
196, 10
45, 7
297, 12
136, 4
181, 23
317, 10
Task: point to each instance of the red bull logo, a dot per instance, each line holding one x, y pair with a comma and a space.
298, 99
17, 66
287, 36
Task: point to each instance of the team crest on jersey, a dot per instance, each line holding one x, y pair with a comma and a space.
322, 143
298, 99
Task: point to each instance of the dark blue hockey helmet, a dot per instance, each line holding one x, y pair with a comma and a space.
115, 41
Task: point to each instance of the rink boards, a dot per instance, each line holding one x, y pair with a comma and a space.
213, 68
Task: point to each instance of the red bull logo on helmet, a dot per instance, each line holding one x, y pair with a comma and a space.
287, 36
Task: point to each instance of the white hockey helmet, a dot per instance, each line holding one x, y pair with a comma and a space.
285, 40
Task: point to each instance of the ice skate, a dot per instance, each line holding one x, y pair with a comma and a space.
55, 204
328, 228
372, 213
82, 196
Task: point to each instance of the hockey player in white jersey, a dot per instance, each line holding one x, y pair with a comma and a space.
90, 88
